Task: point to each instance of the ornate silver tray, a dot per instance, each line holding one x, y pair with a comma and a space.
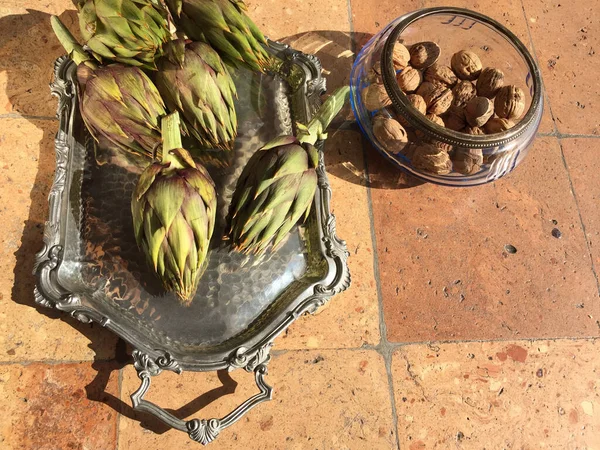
90, 266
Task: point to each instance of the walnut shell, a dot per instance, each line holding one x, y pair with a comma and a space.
418, 102
473, 130
442, 146
425, 89
431, 159
441, 74
498, 125
463, 92
424, 54
467, 161
374, 75
438, 98
375, 97
455, 118
409, 79
478, 111
466, 65
489, 81
509, 102
390, 134
436, 119
400, 56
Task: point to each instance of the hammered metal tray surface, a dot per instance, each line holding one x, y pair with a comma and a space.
91, 267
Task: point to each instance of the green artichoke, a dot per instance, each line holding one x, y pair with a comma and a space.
122, 105
119, 104
174, 206
277, 187
126, 31
194, 81
224, 25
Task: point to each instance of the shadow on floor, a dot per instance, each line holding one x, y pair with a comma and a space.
336, 51
97, 391
20, 68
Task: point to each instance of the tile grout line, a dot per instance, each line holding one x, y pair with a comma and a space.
26, 116
53, 362
383, 348
537, 61
368, 347
581, 221
559, 137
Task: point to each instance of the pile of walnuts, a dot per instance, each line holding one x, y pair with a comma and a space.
464, 97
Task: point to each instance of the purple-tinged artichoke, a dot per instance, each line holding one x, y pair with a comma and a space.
194, 81
224, 25
173, 207
131, 32
277, 187
119, 104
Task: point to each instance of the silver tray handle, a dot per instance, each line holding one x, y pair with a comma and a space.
200, 430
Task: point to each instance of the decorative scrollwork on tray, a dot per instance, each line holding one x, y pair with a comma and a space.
305, 86
62, 87
146, 365
204, 431
249, 360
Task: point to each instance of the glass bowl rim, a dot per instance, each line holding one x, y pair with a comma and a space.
437, 132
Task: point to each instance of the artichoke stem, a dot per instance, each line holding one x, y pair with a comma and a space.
315, 129
171, 136
73, 48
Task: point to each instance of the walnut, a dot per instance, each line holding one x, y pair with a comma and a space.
409, 79
389, 133
426, 89
478, 111
467, 161
424, 54
438, 98
440, 74
436, 119
473, 130
400, 56
498, 125
409, 150
489, 81
374, 75
463, 92
428, 158
419, 104
375, 97
510, 102
455, 118
466, 65
442, 146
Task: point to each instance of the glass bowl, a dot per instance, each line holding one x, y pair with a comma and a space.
421, 146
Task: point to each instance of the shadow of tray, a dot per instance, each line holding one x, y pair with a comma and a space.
91, 268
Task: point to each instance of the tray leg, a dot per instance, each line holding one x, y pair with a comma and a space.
203, 431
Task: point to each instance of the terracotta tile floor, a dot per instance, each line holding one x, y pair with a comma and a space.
444, 340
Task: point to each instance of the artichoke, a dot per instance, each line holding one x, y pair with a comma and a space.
224, 25
277, 186
194, 81
126, 31
173, 208
119, 104
122, 105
